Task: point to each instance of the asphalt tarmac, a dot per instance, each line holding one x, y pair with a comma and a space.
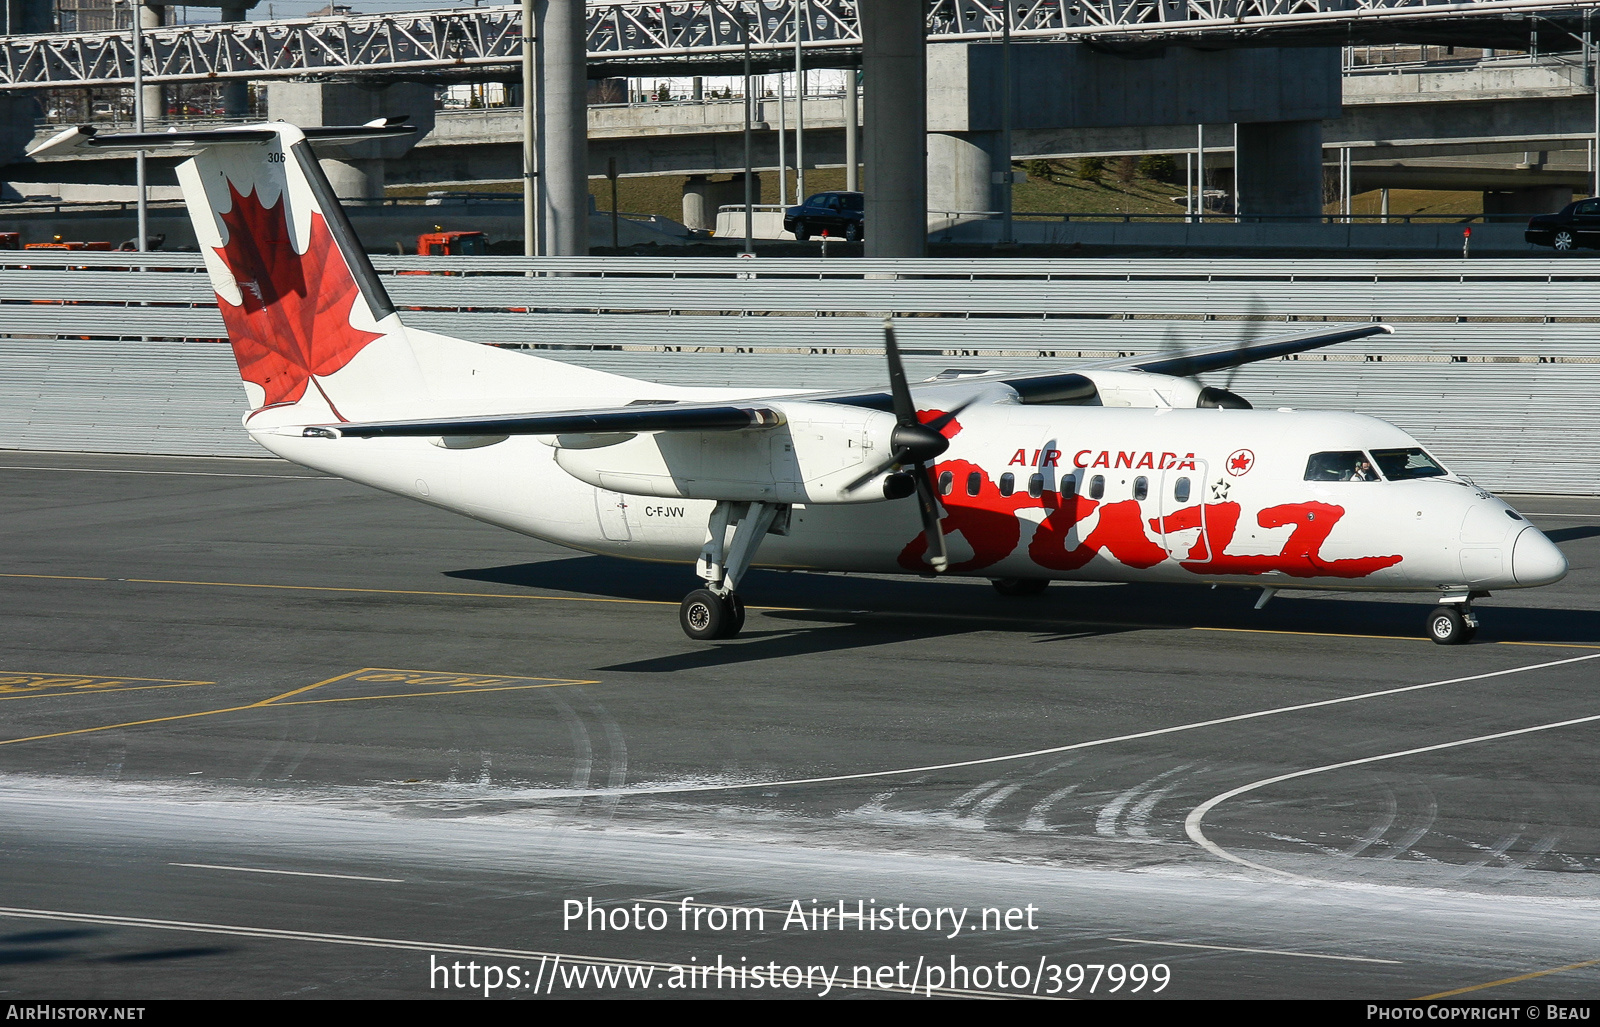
266, 734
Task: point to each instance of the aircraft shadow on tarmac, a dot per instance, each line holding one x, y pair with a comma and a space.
832, 611
1573, 534
46, 947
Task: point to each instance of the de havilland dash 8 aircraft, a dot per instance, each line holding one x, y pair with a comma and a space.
1123, 470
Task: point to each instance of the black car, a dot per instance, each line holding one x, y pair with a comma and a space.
838, 214
1578, 224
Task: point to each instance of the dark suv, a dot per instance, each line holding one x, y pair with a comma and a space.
1578, 224
838, 214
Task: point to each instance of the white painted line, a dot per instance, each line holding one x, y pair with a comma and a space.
1264, 952
442, 948
1191, 824
555, 793
288, 873
193, 474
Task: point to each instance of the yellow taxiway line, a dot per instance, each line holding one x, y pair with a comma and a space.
1511, 980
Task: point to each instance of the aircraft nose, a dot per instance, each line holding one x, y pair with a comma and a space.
1535, 560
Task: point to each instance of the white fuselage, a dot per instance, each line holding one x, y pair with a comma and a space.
1185, 496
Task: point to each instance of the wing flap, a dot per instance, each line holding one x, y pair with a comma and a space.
636, 419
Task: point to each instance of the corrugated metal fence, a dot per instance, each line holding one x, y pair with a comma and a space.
1494, 363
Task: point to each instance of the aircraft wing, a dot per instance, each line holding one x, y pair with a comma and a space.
641, 417
1052, 387
1217, 358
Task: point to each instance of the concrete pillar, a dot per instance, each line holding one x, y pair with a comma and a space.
153, 16
894, 65
235, 92
566, 129
704, 195
852, 132
355, 170
698, 209
1278, 168
960, 170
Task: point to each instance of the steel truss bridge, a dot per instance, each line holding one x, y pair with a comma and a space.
709, 36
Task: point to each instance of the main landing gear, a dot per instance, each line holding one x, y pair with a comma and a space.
1452, 622
716, 611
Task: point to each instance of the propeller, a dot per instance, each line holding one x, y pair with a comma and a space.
912, 447
1223, 396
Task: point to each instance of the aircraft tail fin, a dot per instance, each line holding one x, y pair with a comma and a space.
310, 321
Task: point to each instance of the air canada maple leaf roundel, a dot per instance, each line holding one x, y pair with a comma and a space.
294, 319
1240, 461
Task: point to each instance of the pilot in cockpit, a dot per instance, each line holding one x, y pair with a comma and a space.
1363, 472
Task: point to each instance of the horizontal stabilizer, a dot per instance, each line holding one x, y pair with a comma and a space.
87, 137
644, 418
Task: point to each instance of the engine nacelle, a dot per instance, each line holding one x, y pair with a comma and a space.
810, 458
1145, 389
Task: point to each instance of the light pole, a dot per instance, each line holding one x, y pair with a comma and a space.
749, 172
1006, 233
530, 155
799, 108
138, 124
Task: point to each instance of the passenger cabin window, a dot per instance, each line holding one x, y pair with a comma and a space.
1097, 486
1180, 490
1036, 485
1400, 464
1141, 487
1068, 486
1008, 483
1344, 465
974, 482
946, 483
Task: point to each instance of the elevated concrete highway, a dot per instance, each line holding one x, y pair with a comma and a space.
1499, 124
709, 36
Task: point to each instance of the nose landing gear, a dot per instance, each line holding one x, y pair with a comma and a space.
1452, 622
716, 611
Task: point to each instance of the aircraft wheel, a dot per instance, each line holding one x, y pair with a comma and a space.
1447, 626
1020, 586
1564, 241
737, 606
705, 615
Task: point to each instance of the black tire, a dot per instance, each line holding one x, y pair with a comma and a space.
1447, 626
1020, 587
737, 605
1564, 241
802, 233
852, 233
705, 615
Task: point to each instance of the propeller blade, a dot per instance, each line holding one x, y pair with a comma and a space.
899, 457
1255, 322
938, 553
905, 411
938, 423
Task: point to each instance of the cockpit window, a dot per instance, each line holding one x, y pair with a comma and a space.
1351, 465
1400, 464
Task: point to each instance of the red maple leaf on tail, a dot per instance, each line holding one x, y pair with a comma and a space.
294, 321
